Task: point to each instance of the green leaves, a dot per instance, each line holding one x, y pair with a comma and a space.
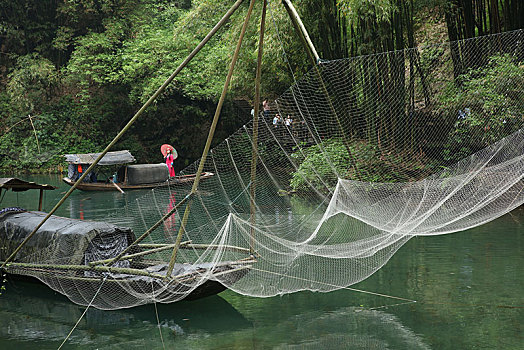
31, 83
320, 166
356, 9
484, 105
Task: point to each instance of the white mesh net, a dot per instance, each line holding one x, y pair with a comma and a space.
369, 152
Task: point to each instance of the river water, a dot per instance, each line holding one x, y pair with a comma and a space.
468, 289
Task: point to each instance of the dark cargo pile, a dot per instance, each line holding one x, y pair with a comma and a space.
60, 240
147, 173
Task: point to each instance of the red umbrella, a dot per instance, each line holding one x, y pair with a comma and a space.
165, 147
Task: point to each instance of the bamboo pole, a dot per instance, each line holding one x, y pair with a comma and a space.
220, 23
301, 31
315, 60
135, 255
210, 138
151, 229
117, 187
215, 246
155, 245
51, 267
254, 154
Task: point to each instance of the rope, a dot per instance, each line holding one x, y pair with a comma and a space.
156, 314
83, 314
339, 287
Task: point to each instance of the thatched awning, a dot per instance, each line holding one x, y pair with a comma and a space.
17, 185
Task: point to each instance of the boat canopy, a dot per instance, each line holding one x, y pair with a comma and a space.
18, 185
111, 158
62, 240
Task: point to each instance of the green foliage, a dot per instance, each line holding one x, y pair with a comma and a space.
31, 83
484, 105
380, 9
36, 147
320, 164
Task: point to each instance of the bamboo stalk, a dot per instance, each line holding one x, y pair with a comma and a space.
156, 245
315, 60
220, 23
201, 270
216, 246
210, 138
130, 256
123, 270
117, 187
301, 31
195, 275
254, 153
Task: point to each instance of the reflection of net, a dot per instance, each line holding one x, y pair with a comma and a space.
381, 149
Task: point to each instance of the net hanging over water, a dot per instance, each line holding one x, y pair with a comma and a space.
354, 160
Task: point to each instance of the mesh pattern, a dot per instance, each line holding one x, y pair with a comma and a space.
380, 149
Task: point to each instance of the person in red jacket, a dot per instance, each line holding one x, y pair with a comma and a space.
169, 161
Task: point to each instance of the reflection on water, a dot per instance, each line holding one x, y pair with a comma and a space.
31, 314
468, 288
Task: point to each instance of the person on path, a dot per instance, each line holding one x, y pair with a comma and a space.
169, 161
276, 121
265, 107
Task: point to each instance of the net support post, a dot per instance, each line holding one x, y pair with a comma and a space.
302, 32
210, 135
160, 90
254, 153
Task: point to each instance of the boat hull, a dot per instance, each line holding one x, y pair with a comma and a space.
81, 289
60, 254
107, 186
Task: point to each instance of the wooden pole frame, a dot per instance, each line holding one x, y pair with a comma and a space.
254, 153
160, 90
209, 139
315, 60
302, 32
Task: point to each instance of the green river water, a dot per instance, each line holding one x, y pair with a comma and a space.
468, 288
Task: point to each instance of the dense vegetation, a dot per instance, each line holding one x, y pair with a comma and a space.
73, 72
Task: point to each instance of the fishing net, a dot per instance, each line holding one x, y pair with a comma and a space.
354, 160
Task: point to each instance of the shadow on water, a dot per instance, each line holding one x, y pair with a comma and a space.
31, 313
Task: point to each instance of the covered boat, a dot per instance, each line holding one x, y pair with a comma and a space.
102, 264
127, 176
74, 258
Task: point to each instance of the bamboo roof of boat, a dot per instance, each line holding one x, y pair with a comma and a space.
109, 158
19, 185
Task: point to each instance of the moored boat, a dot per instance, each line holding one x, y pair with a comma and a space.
102, 264
126, 177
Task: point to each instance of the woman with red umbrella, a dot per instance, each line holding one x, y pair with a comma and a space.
169, 156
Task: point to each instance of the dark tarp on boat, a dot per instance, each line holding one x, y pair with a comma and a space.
147, 173
61, 240
111, 158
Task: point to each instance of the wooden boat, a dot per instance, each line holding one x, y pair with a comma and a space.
73, 256
108, 186
127, 177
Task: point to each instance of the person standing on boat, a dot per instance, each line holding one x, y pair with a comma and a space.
169, 158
